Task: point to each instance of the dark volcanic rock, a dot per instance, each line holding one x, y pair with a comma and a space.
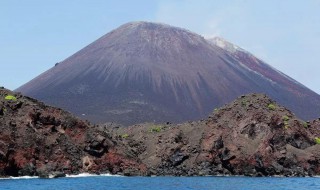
39, 140
252, 136
147, 72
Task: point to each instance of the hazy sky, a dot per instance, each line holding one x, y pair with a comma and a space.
35, 34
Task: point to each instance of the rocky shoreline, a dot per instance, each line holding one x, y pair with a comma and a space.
252, 136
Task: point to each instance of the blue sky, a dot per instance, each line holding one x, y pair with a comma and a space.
35, 34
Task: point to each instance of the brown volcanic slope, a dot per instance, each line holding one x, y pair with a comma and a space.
153, 72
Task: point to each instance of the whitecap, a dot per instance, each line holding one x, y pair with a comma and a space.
21, 177
92, 175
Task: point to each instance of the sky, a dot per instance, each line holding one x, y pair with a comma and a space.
36, 34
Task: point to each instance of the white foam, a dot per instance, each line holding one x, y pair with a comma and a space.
21, 177
68, 176
92, 175
110, 175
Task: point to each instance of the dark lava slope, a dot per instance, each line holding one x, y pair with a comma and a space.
144, 72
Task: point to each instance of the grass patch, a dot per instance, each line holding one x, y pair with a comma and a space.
305, 124
155, 129
244, 103
271, 107
10, 97
285, 119
317, 140
124, 136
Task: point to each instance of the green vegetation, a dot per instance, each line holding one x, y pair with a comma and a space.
10, 97
317, 140
305, 124
271, 107
124, 136
285, 118
244, 103
285, 121
155, 129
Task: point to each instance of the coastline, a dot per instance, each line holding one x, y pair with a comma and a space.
85, 175
67, 176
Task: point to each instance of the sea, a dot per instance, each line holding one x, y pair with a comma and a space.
109, 182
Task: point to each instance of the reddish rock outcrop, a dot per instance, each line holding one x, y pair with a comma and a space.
252, 136
40, 140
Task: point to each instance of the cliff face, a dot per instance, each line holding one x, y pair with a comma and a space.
147, 72
250, 136
40, 140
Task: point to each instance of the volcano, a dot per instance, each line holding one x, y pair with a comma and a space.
150, 72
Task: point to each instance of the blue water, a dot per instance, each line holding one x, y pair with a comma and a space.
162, 183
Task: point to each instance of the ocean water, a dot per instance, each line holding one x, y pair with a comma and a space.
160, 183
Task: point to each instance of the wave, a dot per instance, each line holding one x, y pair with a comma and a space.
92, 175
67, 176
21, 177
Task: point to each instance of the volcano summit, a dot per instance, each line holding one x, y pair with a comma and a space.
148, 72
